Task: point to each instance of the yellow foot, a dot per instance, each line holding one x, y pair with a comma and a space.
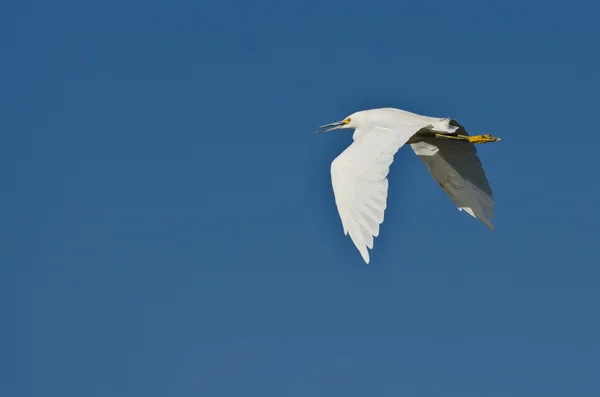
482, 139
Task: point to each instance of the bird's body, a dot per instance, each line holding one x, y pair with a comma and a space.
359, 173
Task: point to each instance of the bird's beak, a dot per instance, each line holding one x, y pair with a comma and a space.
331, 127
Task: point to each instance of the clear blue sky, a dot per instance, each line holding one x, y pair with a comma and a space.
168, 223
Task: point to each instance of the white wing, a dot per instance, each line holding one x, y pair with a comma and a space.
457, 169
359, 178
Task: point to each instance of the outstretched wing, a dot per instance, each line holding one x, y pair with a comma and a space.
360, 185
457, 169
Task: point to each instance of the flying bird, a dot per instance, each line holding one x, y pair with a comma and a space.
359, 173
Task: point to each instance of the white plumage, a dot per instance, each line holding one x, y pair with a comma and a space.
359, 173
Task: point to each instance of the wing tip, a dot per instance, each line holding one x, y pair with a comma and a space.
365, 255
481, 217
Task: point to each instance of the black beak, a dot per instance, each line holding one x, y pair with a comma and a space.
329, 127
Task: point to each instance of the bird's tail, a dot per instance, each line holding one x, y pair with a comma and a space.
446, 126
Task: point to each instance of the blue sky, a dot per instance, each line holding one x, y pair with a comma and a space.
169, 227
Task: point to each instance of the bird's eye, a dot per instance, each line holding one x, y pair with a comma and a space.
347, 120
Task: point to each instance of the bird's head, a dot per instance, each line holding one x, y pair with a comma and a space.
351, 121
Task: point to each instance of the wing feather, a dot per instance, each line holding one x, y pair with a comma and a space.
456, 167
360, 185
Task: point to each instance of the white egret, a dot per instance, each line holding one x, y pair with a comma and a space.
359, 173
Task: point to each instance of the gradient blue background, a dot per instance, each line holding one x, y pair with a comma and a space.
169, 228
